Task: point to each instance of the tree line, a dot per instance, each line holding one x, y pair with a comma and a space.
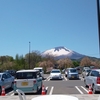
34, 59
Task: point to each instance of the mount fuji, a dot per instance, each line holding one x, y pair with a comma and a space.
62, 52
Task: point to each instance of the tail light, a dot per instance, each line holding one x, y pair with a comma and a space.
14, 82
34, 81
98, 80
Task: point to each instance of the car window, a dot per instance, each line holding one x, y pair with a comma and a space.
38, 74
73, 70
8, 75
88, 70
4, 76
95, 73
55, 71
26, 75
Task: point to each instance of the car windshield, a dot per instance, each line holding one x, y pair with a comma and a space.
88, 70
73, 70
55, 71
26, 75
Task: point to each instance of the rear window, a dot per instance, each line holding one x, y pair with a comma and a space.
73, 70
88, 70
25, 75
56, 71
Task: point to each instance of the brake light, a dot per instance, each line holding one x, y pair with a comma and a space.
98, 80
34, 81
14, 82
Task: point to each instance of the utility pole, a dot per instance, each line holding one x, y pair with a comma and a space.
98, 15
29, 55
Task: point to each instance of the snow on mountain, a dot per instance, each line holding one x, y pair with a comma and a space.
62, 52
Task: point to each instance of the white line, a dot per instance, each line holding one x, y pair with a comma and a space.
84, 89
48, 79
51, 90
65, 78
46, 88
12, 94
78, 89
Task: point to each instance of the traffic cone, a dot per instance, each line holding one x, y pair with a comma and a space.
90, 89
3, 91
43, 90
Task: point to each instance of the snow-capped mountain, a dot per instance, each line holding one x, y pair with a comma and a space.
62, 52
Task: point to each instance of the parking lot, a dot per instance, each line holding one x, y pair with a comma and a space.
63, 86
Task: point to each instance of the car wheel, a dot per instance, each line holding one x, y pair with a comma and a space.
85, 83
94, 90
0, 89
12, 85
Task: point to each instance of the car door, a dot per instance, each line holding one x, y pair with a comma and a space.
10, 79
87, 78
4, 81
90, 77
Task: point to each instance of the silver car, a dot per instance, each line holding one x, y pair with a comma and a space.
93, 79
72, 73
6, 80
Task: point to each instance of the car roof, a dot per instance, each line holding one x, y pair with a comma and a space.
38, 68
29, 70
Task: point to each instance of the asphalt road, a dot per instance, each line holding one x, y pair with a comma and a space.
65, 86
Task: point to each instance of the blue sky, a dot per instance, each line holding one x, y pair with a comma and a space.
48, 24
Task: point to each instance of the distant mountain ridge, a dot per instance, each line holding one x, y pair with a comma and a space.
62, 52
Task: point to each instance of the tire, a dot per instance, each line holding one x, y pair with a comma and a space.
0, 89
85, 83
93, 88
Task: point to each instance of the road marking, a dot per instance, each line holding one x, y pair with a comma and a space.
51, 91
12, 94
65, 78
78, 89
82, 79
46, 88
84, 89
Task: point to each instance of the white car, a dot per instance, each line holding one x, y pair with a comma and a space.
41, 71
93, 78
29, 81
55, 74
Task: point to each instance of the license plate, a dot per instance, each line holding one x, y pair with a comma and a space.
24, 83
72, 76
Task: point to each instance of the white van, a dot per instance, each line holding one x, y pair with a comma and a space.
29, 81
41, 71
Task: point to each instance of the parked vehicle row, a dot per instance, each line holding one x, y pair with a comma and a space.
25, 80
